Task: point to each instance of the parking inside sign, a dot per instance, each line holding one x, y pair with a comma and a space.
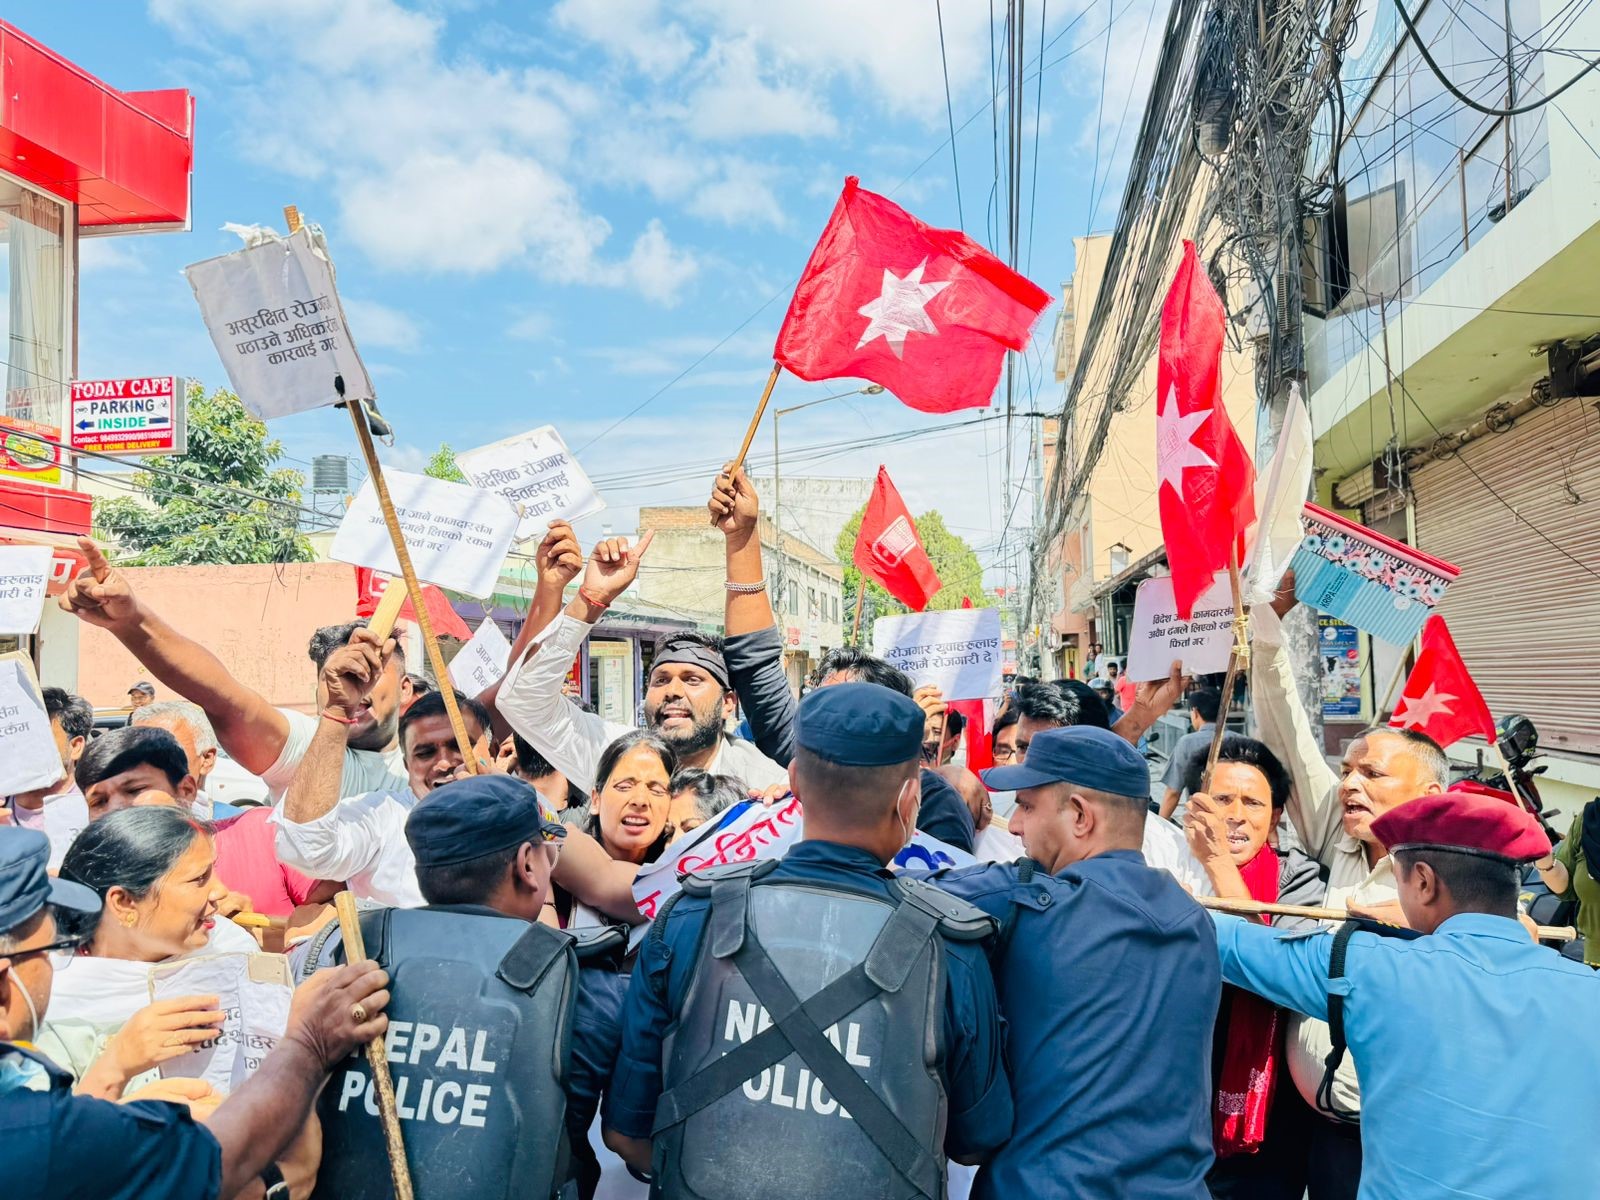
128, 416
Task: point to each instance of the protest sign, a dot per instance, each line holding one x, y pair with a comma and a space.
458, 535
481, 662
927, 853
536, 472
743, 833
24, 576
275, 319
253, 991
32, 759
957, 651
1372, 582
1157, 636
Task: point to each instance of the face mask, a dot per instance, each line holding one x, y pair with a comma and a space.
907, 828
27, 998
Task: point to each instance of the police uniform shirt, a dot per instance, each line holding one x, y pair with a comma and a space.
1108, 984
57, 1146
1478, 1051
972, 1069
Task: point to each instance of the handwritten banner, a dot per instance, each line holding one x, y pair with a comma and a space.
744, 833
957, 652
24, 576
536, 472
275, 319
479, 663
1157, 636
253, 991
32, 759
458, 535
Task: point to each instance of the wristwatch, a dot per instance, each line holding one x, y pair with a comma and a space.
272, 1176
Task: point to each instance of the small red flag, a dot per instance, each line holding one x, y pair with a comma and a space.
928, 313
1439, 698
446, 621
1207, 481
888, 550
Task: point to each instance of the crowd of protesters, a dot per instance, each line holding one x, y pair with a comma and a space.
1059, 1018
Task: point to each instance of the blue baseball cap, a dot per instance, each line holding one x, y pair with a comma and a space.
25, 882
1082, 754
473, 817
860, 725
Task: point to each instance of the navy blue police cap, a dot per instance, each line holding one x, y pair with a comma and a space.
1092, 758
860, 725
25, 883
473, 817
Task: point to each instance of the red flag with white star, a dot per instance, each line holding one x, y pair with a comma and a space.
889, 551
928, 313
1207, 481
1440, 698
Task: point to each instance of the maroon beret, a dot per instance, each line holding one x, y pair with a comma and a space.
1463, 821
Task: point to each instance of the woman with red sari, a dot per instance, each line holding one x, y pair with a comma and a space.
1232, 829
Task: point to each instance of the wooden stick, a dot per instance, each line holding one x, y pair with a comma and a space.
388, 611
1237, 657
861, 602
441, 673
755, 422
1395, 680
355, 950
1261, 908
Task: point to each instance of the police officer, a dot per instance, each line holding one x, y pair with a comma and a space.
482, 993
61, 1146
1477, 1049
1107, 980
893, 1061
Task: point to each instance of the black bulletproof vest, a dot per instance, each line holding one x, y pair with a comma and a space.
479, 1031
804, 1060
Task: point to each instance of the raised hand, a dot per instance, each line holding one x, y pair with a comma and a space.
558, 558
100, 594
1206, 828
612, 567
734, 505
354, 669
1159, 695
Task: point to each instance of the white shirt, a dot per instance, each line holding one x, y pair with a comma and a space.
61, 818
364, 770
572, 740
1167, 849
997, 844
361, 840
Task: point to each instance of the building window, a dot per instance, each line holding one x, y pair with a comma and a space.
834, 605
33, 319
812, 612
794, 598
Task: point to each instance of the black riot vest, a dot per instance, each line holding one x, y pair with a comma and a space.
804, 1060
479, 1033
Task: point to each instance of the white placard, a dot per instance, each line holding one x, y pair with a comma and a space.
458, 535
480, 663
253, 991
1157, 637
743, 833
957, 651
31, 759
536, 472
24, 575
275, 318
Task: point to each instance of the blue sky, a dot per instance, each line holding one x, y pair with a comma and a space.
547, 212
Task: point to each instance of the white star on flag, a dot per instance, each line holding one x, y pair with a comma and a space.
1175, 452
1424, 708
900, 309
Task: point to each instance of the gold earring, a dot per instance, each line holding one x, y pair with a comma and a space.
127, 919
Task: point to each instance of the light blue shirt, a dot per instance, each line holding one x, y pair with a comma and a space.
1478, 1052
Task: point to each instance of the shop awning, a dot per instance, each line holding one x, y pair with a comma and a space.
1133, 572
125, 158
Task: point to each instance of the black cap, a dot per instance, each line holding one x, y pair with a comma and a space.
860, 725
473, 817
1081, 754
144, 686
25, 883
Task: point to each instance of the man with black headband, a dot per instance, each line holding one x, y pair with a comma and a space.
1476, 1047
687, 699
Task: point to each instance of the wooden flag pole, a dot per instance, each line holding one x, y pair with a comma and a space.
1262, 908
861, 602
755, 421
1238, 657
355, 950
388, 611
1394, 684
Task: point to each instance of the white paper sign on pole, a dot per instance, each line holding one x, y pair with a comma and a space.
31, 759
458, 535
481, 662
537, 472
24, 575
253, 991
275, 318
957, 651
1156, 637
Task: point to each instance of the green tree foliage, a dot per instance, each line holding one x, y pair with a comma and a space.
956, 562
443, 465
182, 519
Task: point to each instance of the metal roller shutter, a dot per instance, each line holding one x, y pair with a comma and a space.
1525, 613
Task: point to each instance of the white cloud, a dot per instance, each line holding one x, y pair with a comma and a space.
377, 325
107, 254
738, 100
531, 326
403, 456
657, 269
630, 30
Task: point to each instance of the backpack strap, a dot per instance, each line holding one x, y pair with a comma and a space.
1026, 870
958, 920
1330, 1065
531, 955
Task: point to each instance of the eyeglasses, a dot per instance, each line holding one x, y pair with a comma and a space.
71, 943
1004, 753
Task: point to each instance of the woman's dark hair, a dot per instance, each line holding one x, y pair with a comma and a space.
609, 758
1236, 748
131, 849
119, 750
713, 794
